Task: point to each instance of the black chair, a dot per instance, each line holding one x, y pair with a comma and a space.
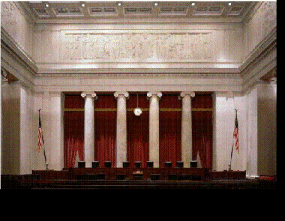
81, 164
108, 164
193, 164
168, 164
179, 164
126, 164
95, 164
149, 164
138, 164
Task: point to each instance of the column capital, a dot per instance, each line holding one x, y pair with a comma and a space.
89, 93
154, 93
124, 93
186, 93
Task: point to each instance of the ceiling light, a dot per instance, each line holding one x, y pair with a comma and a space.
83, 5
229, 3
47, 5
193, 4
119, 4
155, 4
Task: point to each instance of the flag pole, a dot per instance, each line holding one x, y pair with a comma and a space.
43, 140
230, 164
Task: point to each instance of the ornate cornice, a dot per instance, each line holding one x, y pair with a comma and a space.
15, 50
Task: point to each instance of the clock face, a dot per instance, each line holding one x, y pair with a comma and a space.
137, 111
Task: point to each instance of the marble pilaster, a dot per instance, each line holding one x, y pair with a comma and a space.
186, 127
121, 97
154, 97
89, 126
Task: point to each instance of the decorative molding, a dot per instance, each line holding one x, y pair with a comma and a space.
124, 93
184, 93
139, 68
89, 93
139, 75
260, 61
154, 93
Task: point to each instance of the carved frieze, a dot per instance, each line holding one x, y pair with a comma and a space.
127, 47
9, 17
270, 16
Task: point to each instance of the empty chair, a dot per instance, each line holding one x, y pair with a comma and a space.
138, 164
81, 164
168, 164
126, 164
95, 164
149, 164
179, 164
193, 163
108, 164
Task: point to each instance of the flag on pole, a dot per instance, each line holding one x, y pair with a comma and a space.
236, 134
41, 139
40, 133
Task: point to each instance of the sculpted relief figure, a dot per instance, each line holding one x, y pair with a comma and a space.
137, 46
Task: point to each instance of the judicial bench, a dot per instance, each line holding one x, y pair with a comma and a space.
124, 174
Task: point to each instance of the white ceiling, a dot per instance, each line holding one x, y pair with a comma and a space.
48, 11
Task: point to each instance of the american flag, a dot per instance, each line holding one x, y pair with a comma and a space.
40, 134
236, 134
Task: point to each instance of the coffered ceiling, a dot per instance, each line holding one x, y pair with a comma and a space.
88, 11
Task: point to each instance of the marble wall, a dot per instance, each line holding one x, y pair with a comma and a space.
213, 52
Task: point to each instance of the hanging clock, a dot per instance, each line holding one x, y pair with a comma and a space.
138, 111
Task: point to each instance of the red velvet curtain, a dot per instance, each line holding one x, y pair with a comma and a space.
169, 129
105, 129
202, 129
138, 130
73, 130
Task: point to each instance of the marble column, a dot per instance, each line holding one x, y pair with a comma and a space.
89, 127
186, 127
121, 97
154, 97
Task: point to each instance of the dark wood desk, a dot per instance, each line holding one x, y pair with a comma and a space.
127, 173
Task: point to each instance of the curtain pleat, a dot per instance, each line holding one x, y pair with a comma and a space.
73, 131
169, 130
105, 129
137, 130
202, 130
